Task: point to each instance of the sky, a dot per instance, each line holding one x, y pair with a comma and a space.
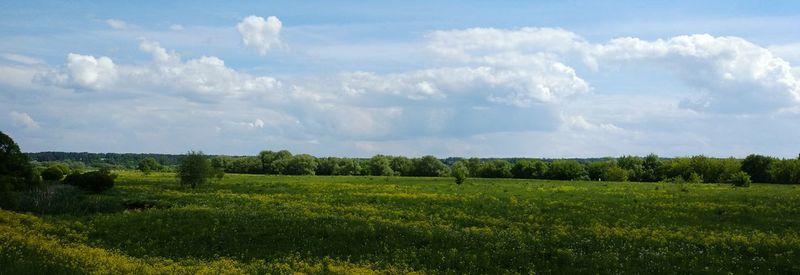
357, 78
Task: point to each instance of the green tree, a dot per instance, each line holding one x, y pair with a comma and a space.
380, 165
758, 166
195, 169
634, 165
496, 169
596, 169
52, 173
615, 173
15, 167
740, 179
567, 170
459, 171
218, 167
430, 166
529, 169
302, 164
402, 166
474, 165
652, 168
149, 164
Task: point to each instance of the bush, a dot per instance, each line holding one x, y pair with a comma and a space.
459, 172
95, 181
740, 179
52, 173
195, 169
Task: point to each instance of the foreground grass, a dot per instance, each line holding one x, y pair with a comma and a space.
279, 224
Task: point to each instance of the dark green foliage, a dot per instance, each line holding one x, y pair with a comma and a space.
652, 169
460, 172
52, 174
496, 169
15, 168
474, 166
786, 171
567, 170
402, 166
615, 173
634, 165
149, 164
430, 166
274, 162
195, 169
596, 169
218, 167
94, 181
380, 165
9, 198
758, 166
303, 164
529, 169
740, 179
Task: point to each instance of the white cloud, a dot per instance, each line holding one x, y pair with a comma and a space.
259, 34
23, 119
206, 75
84, 71
732, 74
116, 24
176, 27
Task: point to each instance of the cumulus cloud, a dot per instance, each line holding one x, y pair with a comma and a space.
23, 120
259, 34
83, 72
116, 24
206, 75
730, 73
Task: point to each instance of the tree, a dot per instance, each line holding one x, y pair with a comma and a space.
429, 166
596, 169
615, 173
218, 167
496, 169
633, 164
758, 166
380, 165
302, 164
529, 169
652, 167
195, 169
785, 171
52, 173
474, 166
94, 181
15, 168
567, 170
402, 166
149, 164
460, 172
740, 179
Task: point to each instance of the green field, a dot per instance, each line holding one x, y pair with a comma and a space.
350, 225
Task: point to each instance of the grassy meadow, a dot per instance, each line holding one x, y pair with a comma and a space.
397, 225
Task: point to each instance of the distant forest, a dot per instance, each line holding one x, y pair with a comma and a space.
650, 168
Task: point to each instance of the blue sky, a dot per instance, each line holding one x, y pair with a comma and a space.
450, 78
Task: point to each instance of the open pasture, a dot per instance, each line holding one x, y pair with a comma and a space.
284, 224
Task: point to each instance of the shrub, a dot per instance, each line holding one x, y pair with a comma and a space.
740, 179
95, 181
195, 169
459, 172
52, 173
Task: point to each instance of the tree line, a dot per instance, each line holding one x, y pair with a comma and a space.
651, 168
